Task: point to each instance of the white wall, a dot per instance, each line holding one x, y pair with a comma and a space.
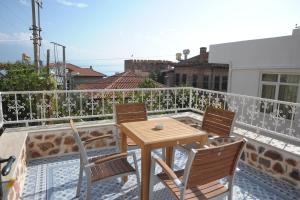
247, 59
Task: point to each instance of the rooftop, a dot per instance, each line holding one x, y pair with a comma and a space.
80, 71
125, 80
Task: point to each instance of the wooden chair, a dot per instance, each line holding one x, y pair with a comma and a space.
203, 170
130, 112
102, 167
218, 121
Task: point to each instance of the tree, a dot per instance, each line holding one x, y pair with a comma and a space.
23, 77
148, 83
157, 76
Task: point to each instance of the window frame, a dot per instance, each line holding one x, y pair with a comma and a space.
278, 83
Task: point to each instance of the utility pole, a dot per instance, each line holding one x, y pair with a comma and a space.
64, 74
36, 33
48, 61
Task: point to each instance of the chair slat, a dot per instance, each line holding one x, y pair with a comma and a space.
218, 121
214, 163
130, 112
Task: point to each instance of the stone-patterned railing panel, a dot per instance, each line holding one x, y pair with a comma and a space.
59, 142
39, 106
277, 118
274, 117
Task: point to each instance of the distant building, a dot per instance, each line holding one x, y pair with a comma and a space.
77, 75
197, 72
145, 67
125, 80
268, 68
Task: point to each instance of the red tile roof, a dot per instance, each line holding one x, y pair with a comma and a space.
82, 71
125, 80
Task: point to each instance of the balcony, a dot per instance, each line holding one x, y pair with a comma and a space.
47, 163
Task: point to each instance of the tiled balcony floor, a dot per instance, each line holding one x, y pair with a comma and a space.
56, 179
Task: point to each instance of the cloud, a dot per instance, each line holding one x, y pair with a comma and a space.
24, 2
20, 37
73, 4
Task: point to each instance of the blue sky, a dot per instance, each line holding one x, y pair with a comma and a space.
103, 33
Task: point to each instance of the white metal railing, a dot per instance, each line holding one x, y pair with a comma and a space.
275, 117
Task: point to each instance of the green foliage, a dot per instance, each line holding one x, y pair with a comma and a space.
23, 77
148, 83
157, 76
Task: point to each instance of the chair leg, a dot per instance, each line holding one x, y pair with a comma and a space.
88, 190
79, 180
151, 185
138, 180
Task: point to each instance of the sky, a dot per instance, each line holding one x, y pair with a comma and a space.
103, 33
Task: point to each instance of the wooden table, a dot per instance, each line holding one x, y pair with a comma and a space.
144, 134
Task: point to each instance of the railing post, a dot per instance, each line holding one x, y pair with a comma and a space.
191, 95
1, 112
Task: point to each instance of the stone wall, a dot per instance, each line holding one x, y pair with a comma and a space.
273, 161
20, 174
59, 142
144, 67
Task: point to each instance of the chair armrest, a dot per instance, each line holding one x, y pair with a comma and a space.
184, 148
168, 171
118, 126
97, 138
110, 158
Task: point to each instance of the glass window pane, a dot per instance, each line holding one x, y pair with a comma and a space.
270, 77
184, 78
224, 83
287, 93
205, 82
195, 79
268, 91
217, 83
284, 78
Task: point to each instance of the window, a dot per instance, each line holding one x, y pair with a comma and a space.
205, 82
281, 87
177, 79
195, 78
224, 83
184, 79
217, 83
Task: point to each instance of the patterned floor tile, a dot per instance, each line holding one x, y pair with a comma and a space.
56, 178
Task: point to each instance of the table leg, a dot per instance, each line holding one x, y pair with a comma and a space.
145, 175
124, 149
169, 156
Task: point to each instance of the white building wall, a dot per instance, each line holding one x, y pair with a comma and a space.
248, 59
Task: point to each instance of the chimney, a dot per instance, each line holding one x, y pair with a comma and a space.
203, 50
91, 67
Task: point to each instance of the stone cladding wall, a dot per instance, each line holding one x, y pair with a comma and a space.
273, 161
58, 142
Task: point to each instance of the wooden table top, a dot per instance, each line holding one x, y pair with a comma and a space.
173, 132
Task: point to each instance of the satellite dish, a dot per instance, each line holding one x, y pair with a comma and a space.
186, 52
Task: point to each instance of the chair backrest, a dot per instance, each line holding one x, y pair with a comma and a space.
82, 151
130, 112
214, 163
218, 121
